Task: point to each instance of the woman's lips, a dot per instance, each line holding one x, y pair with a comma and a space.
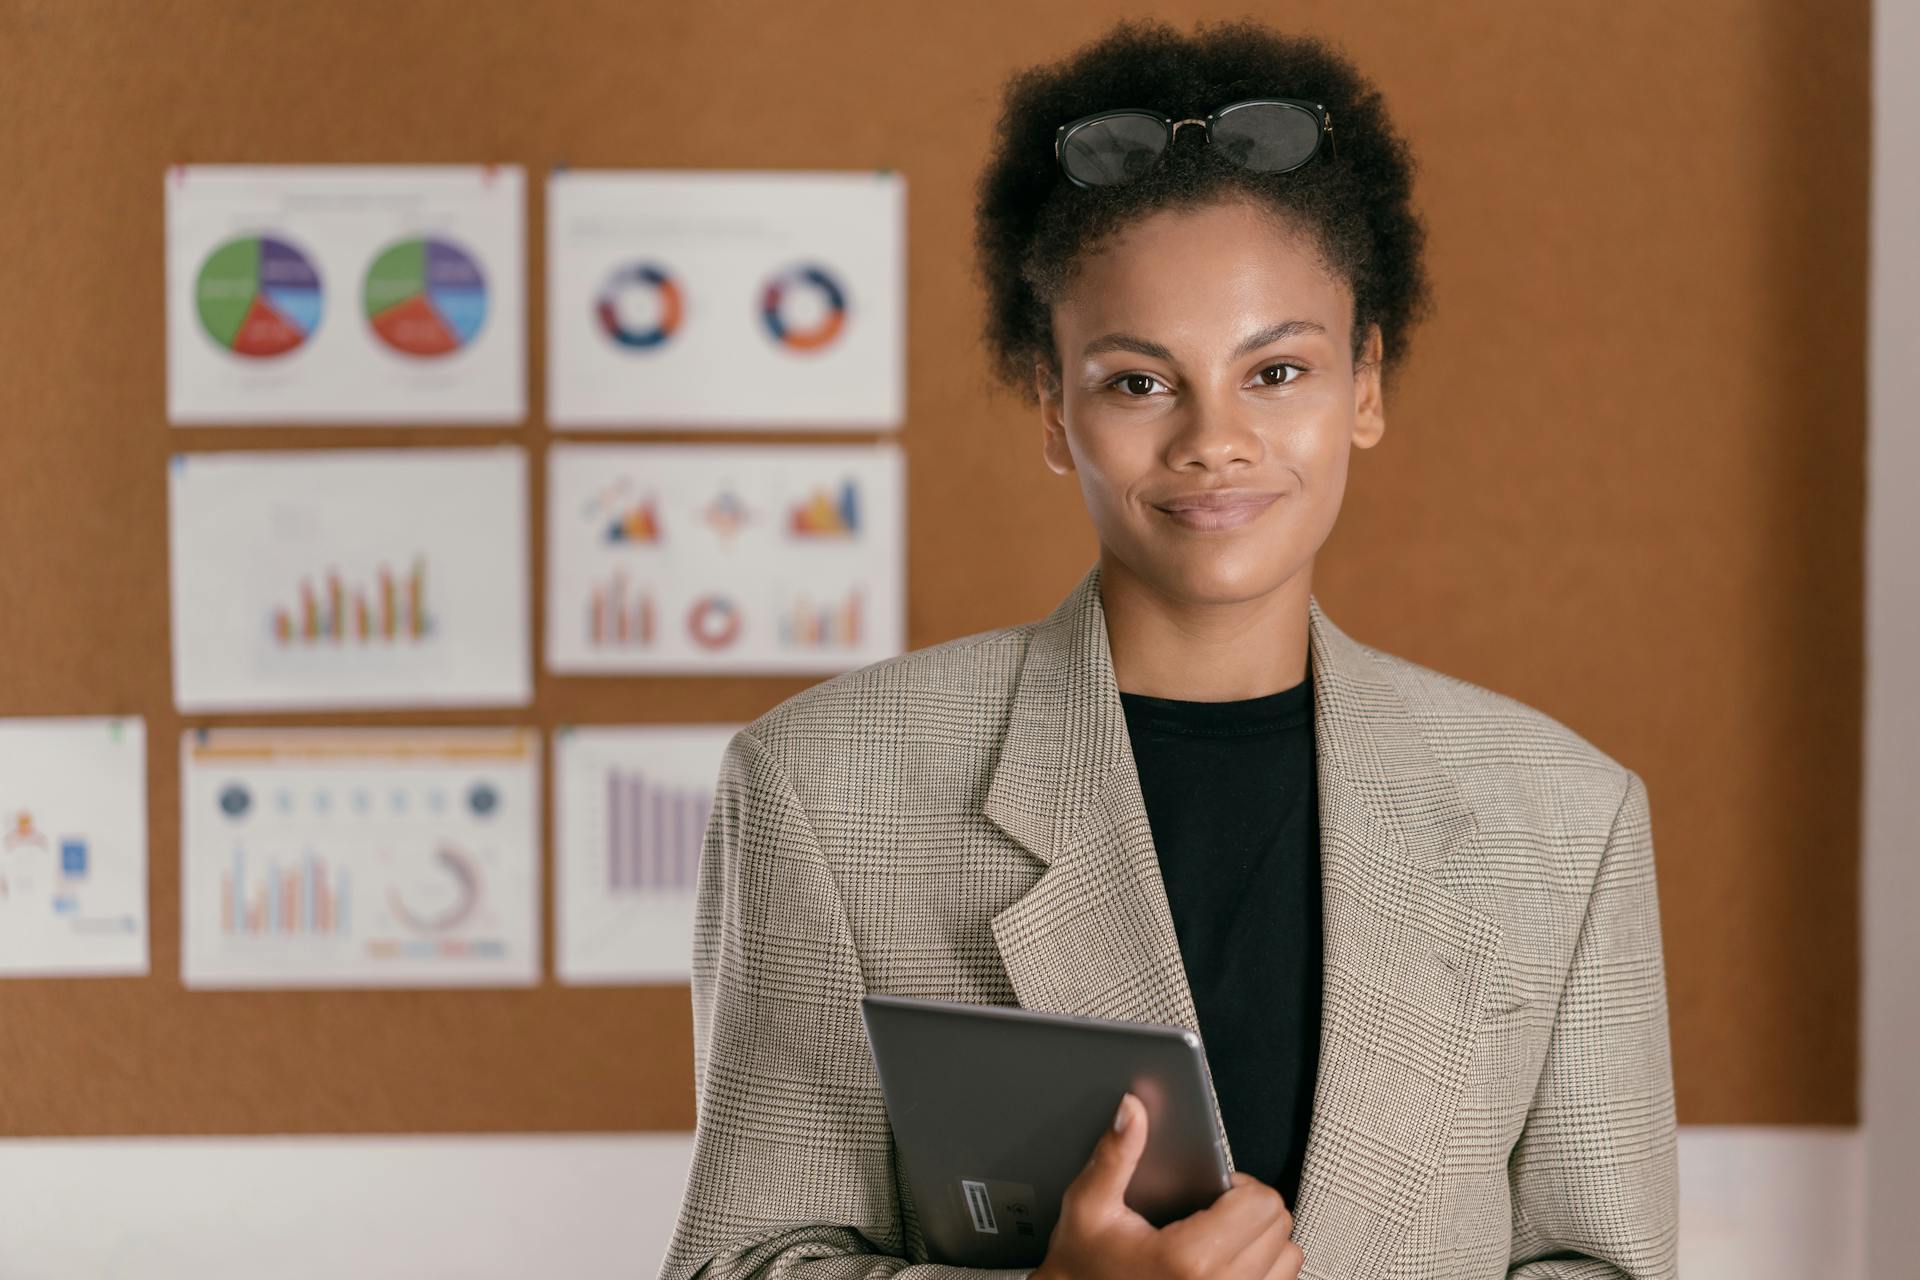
1219, 513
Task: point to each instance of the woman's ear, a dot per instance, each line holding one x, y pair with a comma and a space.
1053, 423
1369, 408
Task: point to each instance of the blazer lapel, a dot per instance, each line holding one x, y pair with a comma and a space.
1094, 936
1407, 958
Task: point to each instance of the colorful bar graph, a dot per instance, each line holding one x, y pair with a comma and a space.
834, 624
336, 613
822, 514
654, 833
613, 619
302, 899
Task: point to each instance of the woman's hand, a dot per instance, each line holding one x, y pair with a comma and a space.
1244, 1235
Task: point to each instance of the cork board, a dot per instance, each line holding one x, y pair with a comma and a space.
1622, 479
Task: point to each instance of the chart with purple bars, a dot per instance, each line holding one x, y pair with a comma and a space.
632, 807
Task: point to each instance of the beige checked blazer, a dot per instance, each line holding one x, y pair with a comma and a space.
964, 821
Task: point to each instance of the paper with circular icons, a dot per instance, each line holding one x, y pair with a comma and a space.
73, 846
632, 804
693, 558
725, 298
350, 578
345, 293
353, 857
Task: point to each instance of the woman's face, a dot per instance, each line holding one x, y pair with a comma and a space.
1206, 352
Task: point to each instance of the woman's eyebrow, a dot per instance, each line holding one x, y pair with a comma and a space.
1253, 342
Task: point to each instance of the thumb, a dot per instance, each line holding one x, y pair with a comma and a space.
1117, 1154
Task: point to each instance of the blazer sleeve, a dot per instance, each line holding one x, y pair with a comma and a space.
1595, 1187
792, 1172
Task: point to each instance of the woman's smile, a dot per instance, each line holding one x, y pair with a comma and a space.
1217, 508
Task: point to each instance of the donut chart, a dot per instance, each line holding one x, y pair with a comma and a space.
640, 306
448, 904
258, 297
426, 297
830, 299
713, 621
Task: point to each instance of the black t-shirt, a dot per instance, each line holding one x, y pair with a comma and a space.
1231, 797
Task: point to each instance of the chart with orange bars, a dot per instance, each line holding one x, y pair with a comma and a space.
392, 609
691, 558
360, 857
350, 578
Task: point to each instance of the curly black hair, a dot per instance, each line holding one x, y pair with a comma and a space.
1032, 225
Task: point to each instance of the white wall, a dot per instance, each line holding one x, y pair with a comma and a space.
589, 1207
1890, 821
1756, 1204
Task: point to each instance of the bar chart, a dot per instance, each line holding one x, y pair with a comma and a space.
390, 609
824, 514
308, 897
653, 832
633, 809
619, 614
349, 578
831, 624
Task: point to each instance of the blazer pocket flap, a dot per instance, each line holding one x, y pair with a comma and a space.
1503, 992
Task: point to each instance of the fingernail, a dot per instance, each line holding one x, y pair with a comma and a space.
1121, 1116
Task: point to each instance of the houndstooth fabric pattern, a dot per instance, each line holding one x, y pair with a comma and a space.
964, 821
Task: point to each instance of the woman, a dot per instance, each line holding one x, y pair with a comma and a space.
1413, 920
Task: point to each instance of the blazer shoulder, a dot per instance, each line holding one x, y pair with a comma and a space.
969, 677
1472, 727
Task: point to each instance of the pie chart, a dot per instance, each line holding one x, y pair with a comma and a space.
258, 296
426, 296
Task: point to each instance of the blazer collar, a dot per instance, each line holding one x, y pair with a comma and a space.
1409, 959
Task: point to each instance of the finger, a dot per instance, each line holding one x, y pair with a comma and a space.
1212, 1238
1287, 1266
1257, 1260
1103, 1182
1246, 1209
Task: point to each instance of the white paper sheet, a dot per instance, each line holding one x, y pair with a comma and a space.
719, 298
701, 558
350, 578
360, 857
631, 814
73, 846
343, 293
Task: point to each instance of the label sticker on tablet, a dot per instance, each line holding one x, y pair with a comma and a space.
980, 1207
991, 1204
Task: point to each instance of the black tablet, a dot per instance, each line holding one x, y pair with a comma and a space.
995, 1110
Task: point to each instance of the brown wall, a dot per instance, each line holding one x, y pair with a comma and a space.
1622, 481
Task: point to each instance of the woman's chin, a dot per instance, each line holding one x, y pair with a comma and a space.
1218, 575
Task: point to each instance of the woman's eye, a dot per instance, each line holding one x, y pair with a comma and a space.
1129, 383
1282, 381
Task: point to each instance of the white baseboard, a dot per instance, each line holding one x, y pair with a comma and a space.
1756, 1204
1760, 1202
589, 1207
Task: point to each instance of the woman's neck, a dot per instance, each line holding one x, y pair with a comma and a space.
1204, 651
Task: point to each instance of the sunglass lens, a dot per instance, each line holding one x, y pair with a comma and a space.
1113, 149
1269, 137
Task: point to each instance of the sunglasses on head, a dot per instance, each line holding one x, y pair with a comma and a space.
1266, 135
